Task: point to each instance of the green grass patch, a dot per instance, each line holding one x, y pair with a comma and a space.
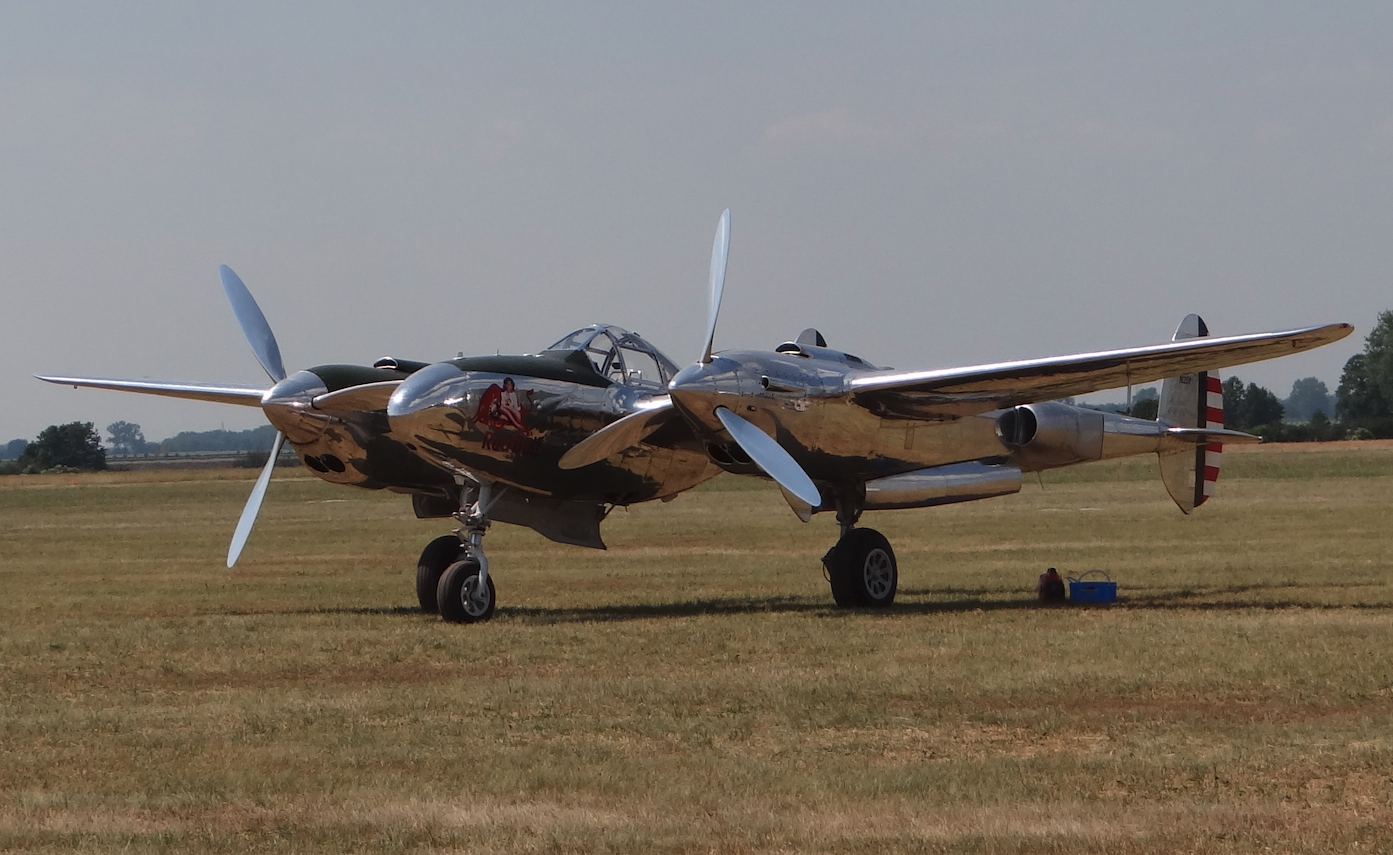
692, 689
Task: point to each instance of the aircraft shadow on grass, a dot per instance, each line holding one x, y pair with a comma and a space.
915, 602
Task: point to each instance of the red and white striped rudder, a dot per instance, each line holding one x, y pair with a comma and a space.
1190, 471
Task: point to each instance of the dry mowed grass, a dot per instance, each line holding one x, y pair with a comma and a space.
691, 689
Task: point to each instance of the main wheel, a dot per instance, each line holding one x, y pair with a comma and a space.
862, 570
461, 598
438, 555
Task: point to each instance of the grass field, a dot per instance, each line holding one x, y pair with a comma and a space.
692, 689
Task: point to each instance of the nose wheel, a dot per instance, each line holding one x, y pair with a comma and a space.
452, 577
862, 570
464, 597
435, 559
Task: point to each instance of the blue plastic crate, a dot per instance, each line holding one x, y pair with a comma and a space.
1093, 588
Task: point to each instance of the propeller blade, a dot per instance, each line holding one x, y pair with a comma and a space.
244, 525
720, 253
618, 436
771, 457
254, 325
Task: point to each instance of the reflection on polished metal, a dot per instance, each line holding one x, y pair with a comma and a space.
531, 421
942, 485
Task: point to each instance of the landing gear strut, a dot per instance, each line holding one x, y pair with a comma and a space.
465, 592
861, 567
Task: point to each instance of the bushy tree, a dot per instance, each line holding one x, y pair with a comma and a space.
1359, 402
1233, 403
126, 437
1247, 407
1146, 408
1308, 397
1260, 407
13, 449
1318, 429
75, 445
1378, 354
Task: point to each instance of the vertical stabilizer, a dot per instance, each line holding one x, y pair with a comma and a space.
1191, 401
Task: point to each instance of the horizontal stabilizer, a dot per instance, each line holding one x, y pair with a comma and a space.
1199, 436
218, 393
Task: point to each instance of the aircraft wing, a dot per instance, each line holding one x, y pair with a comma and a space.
981, 388
221, 393
365, 397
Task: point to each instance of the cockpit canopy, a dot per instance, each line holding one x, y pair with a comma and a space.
621, 356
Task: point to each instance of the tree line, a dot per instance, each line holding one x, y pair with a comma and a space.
1359, 409
77, 446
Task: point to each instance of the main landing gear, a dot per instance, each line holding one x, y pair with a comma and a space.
861, 567
452, 575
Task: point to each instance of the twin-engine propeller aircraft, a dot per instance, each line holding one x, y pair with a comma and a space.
601, 418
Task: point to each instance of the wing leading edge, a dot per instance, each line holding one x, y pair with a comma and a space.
982, 388
220, 393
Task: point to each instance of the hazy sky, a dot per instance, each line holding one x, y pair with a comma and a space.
929, 184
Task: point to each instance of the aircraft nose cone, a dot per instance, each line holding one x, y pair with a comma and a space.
717, 375
289, 406
425, 400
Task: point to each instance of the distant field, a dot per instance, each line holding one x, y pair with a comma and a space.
692, 689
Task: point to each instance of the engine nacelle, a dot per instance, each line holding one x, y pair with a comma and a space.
1050, 434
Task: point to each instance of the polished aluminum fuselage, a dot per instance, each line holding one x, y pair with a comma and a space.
459, 420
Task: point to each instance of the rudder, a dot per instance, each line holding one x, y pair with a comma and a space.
1191, 401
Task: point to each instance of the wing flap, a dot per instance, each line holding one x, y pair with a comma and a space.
219, 393
982, 388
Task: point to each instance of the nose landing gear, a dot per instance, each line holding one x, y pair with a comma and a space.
452, 576
435, 559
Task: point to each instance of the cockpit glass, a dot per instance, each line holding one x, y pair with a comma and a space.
623, 357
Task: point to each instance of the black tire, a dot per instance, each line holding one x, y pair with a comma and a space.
863, 570
438, 555
458, 594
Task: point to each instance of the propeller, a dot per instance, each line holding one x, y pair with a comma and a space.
720, 254
253, 506
771, 457
253, 323
268, 353
761, 448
